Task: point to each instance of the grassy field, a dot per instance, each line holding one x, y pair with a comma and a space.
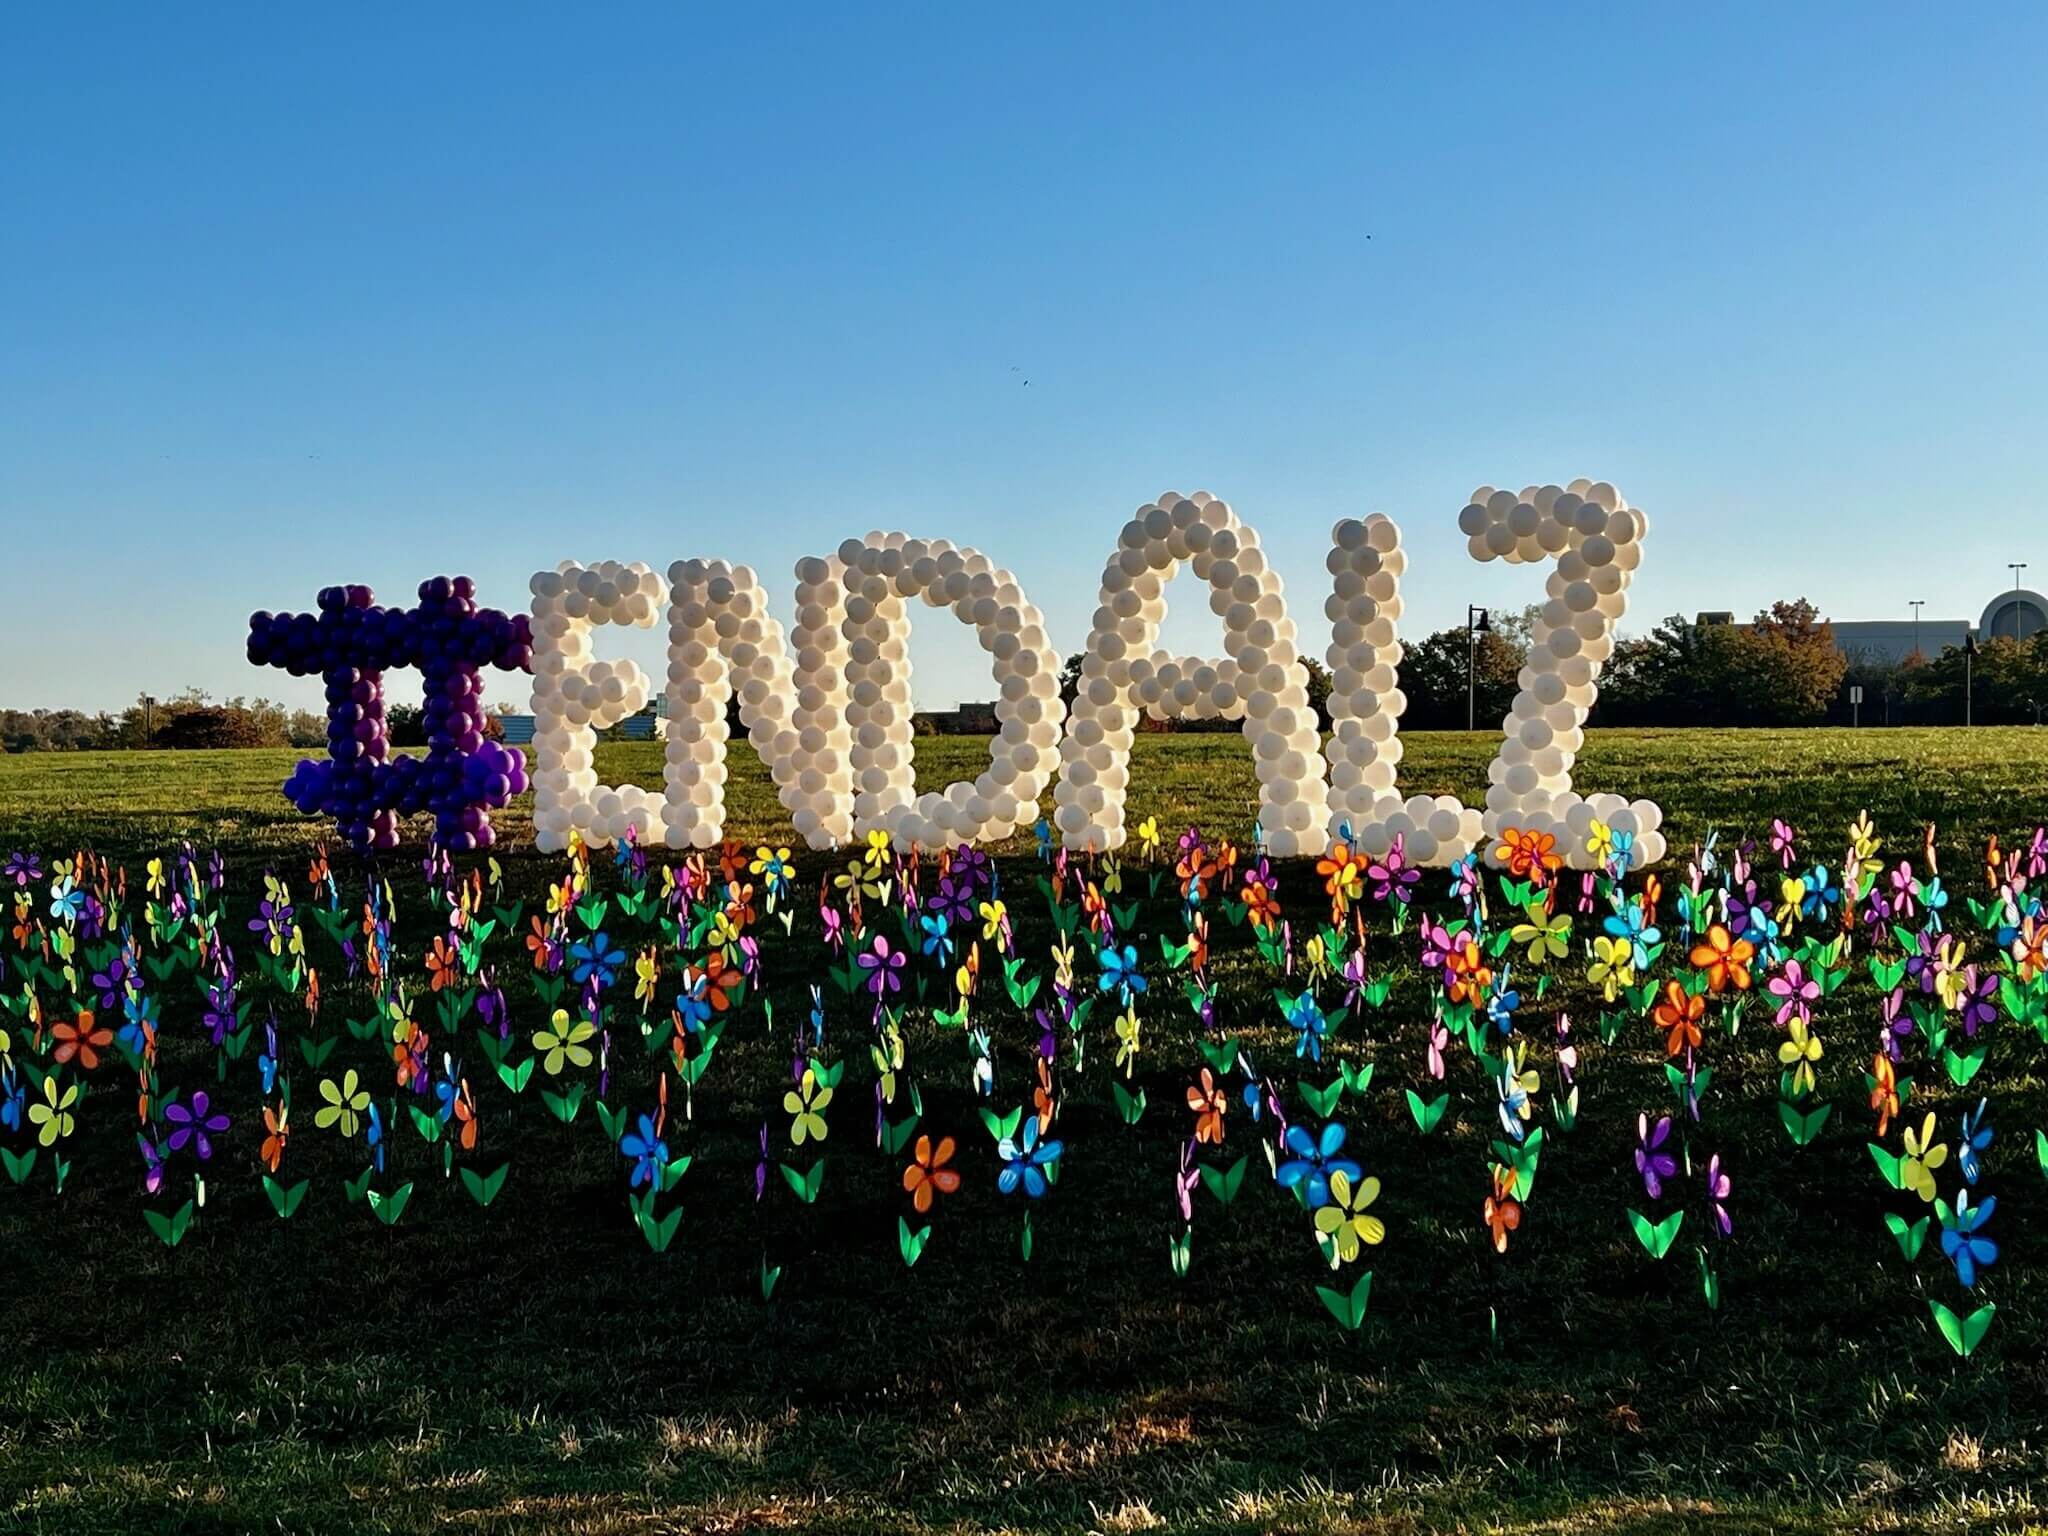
532, 1367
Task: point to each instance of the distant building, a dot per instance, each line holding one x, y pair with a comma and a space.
966, 720
2011, 615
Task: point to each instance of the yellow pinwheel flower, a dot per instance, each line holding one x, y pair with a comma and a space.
563, 1041
1923, 1155
1343, 1223
53, 1114
1127, 1040
1545, 937
1613, 966
1799, 1052
344, 1104
807, 1102
1148, 835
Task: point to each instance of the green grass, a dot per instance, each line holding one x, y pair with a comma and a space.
533, 1367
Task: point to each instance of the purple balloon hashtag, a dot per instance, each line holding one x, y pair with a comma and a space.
351, 642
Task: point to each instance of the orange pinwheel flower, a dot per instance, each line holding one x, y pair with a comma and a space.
721, 979
1467, 975
929, 1176
1528, 853
276, 1132
84, 1038
1725, 959
1884, 1092
2030, 949
1206, 1100
1503, 1212
538, 944
1261, 902
1678, 1015
465, 1115
1343, 876
441, 963
1042, 1096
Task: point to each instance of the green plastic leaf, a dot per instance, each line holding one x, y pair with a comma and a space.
770, 1274
392, 1206
171, 1229
1323, 1100
1710, 1283
1225, 1183
659, 1231
483, 1187
1656, 1236
285, 1201
1129, 1105
516, 1078
1803, 1126
1426, 1114
1888, 1164
911, 1244
1963, 1334
1348, 1307
1909, 1235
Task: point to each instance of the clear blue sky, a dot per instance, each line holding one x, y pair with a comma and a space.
290, 298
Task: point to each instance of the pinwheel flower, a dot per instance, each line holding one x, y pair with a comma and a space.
194, 1124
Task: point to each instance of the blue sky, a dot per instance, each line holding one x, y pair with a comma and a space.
289, 298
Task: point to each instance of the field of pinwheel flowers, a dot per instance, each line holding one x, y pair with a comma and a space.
620, 1191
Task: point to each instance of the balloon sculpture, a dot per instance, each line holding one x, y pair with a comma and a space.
350, 642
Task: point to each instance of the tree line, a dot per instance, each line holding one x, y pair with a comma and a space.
188, 720
1780, 669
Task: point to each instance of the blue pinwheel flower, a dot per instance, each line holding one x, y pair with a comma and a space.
1120, 970
1821, 893
1976, 1138
1315, 1159
1502, 1003
1630, 924
596, 956
649, 1153
1306, 1017
1960, 1241
13, 1101
938, 937
1025, 1160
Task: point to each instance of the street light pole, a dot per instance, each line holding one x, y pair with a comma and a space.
1916, 604
1475, 625
2016, 566
1969, 658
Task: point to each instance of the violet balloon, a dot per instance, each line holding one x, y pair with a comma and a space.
351, 642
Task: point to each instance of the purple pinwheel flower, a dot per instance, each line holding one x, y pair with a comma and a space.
1796, 992
152, 1163
1718, 1186
23, 868
1898, 1022
883, 965
112, 984
1393, 877
953, 901
761, 1167
1652, 1161
1980, 999
195, 1124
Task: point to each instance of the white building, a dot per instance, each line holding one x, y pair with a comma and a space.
2013, 614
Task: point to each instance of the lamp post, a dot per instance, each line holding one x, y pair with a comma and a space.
1969, 659
1476, 624
2016, 566
1916, 604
